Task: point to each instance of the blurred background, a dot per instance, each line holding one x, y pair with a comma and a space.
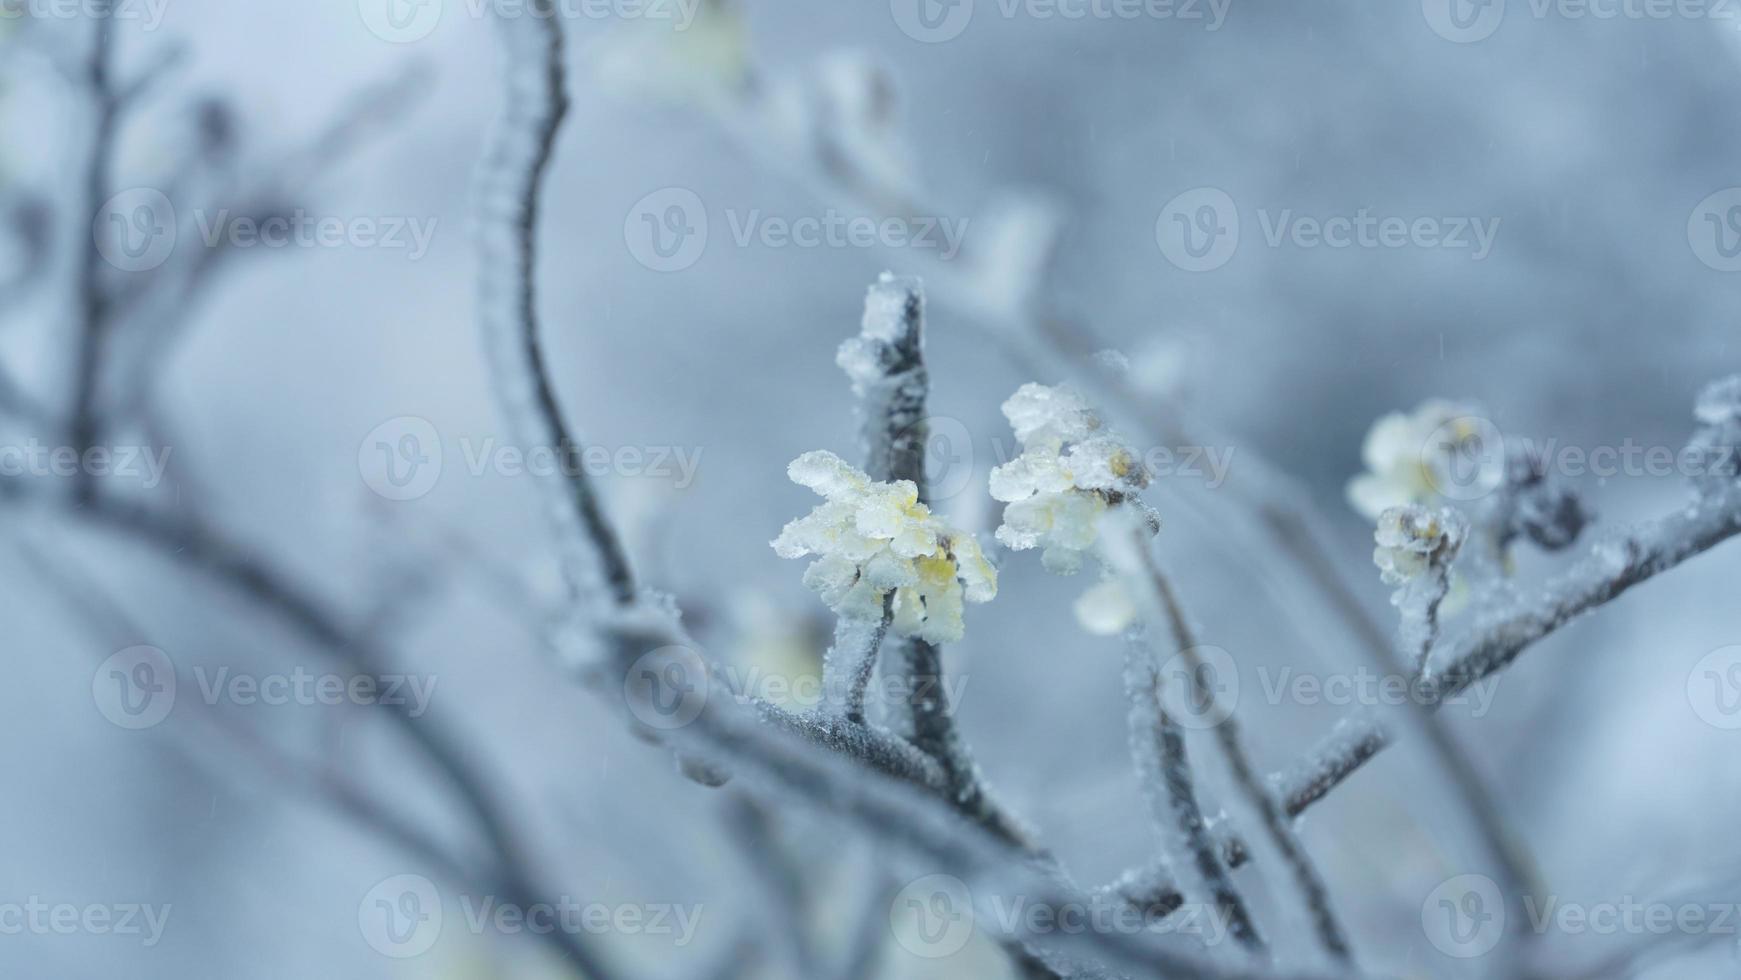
281, 382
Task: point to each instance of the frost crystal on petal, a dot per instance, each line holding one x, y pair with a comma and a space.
1046, 417
827, 474
871, 538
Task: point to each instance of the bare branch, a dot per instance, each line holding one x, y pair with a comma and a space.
510, 183
1164, 772
91, 294
1132, 558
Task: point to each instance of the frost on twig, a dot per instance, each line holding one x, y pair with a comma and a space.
1127, 552
1157, 747
1611, 568
1415, 549
509, 186
886, 365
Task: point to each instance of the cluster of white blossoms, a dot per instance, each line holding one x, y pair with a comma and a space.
871, 538
1413, 541
1408, 455
1069, 472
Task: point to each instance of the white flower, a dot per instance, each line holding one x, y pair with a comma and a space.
1406, 460
871, 538
1413, 540
1069, 472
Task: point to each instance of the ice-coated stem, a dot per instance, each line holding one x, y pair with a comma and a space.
851, 659
1652, 548
510, 183
1163, 770
92, 297
1133, 559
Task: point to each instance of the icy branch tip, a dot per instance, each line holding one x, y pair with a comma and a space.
891, 335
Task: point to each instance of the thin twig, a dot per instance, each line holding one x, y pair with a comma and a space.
1250, 785
1163, 770
1653, 548
510, 186
90, 293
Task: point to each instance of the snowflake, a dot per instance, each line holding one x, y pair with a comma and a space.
1413, 540
1403, 464
872, 538
1070, 471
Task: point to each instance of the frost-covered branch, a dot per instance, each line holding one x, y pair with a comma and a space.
1163, 770
188, 541
510, 184
91, 295
1128, 550
835, 130
1652, 548
920, 826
